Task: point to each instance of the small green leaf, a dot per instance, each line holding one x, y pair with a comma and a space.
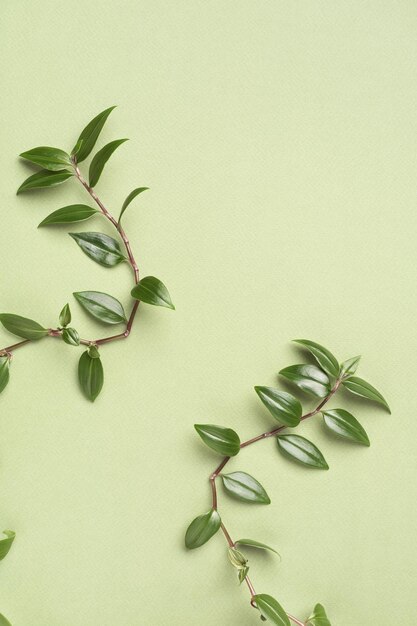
93, 352
346, 425
6, 544
302, 450
309, 378
100, 248
244, 487
129, 199
90, 375
283, 406
4, 621
50, 158
271, 610
223, 440
241, 575
69, 214
65, 316
152, 291
4, 372
324, 357
255, 544
90, 135
361, 388
349, 367
71, 336
100, 160
44, 178
319, 617
22, 326
201, 529
101, 306
236, 558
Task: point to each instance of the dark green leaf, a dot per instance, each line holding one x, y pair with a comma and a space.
302, 450
223, 440
6, 544
346, 425
360, 387
309, 378
101, 306
76, 149
4, 371
90, 135
349, 367
271, 610
44, 178
69, 214
202, 529
65, 316
283, 406
237, 559
100, 160
256, 544
71, 336
244, 487
241, 575
4, 621
90, 375
324, 357
152, 291
129, 199
319, 617
49, 158
22, 326
100, 248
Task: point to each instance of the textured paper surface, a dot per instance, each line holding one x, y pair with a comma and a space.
279, 141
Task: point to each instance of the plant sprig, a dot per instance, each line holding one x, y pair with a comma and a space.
322, 380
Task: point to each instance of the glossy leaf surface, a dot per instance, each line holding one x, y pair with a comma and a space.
6, 543
131, 197
223, 440
283, 406
22, 326
90, 375
101, 306
65, 316
256, 544
319, 617
152, 291
90, 135
49, 158
324, 357
244, 487
4, 372
345, 425
100, 160
236, 558
71, 336
361, 388
69, 214
44, 178
309, 378
100, 248
349, 367
201, 529
271, 610
302, 450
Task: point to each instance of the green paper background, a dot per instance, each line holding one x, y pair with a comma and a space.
279, 141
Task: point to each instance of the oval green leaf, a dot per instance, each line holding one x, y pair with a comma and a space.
283, 406
345, 425
223, 440
256, 544
6, 544
201, 529
65, 315
52, 159
244, 487
89, 135
100, 160
69, 214
100, 248
324, 357
319, 617
361, 388
309, 378
71, 336
4, 372
129, 199
44, 178
90, 375
22, 326
271, 610
236, 558
101, 306
302, 450
152, 291
349, 367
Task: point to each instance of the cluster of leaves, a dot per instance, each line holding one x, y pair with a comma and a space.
322, 380
59, 166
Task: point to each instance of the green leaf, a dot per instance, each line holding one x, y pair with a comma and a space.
361, 388
90, 135
152, 291
244, 487
44, 178
302, 450
93, 352
256, 544
241, 575
129, 199
349, 367
65, 315
236, 558
309, 378
6, 544
101, 306
319, 617
4, 621
271, 610
90, 375
346, 425
49, 158
71, 336
283, 406
69, 214
223, 440
22, 326
201, 529
324, 357
100, 248
4, 372
100, 160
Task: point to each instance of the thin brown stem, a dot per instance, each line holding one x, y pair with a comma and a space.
295, 620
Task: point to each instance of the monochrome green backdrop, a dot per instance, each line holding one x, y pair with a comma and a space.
279, 141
